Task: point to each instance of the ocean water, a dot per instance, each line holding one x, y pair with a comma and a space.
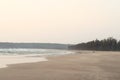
16, 56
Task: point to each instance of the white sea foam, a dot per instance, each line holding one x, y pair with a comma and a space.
6, 60
17, 56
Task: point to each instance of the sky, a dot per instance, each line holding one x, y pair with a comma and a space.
59, 21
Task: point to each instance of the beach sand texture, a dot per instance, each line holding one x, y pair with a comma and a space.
80, 66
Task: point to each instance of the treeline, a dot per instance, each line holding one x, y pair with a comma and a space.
109, 44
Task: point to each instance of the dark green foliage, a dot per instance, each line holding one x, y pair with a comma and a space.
109, 44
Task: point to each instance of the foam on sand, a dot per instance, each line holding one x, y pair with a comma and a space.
6, 60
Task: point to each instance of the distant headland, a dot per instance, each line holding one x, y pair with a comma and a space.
9, 45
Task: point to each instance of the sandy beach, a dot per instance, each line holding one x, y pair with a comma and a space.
80, 66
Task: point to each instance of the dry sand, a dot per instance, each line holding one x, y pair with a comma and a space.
80, 66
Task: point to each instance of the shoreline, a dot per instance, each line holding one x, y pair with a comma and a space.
6, 60
94, 66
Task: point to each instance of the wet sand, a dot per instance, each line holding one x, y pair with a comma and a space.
79, 66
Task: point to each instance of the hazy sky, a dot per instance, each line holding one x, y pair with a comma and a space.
58, 21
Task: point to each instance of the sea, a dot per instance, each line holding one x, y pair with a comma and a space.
17, 56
